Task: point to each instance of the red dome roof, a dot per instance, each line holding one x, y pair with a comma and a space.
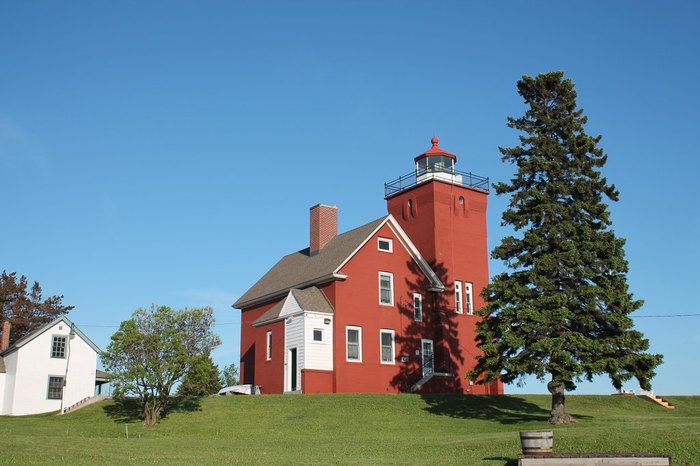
435, 150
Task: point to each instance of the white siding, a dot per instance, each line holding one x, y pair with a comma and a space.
290, 306
318, 355
9, 393
32, 365
2, 392
293, 338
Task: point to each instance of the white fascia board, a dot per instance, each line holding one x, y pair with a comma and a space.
31, 336
406, 242
279, 293
369, 236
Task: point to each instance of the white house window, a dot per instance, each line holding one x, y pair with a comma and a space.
268, 354
385, 244
386, 338
58, 347
468, 298
55, 388
353, 338
318, 335
417, 307
458, 297
386, 289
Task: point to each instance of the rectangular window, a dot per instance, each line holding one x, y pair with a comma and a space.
58, 347
55, 388
268, 354
353, 337
318, 335
468, 298
417, 307
386, 245
386, 338
458, 297
386, 289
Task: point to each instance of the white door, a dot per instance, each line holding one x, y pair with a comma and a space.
427, 356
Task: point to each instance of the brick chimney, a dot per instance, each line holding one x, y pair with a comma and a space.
323, 226
5, 338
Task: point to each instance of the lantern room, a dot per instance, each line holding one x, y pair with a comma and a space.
435, 160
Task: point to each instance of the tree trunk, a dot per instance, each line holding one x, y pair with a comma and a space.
558, 414
151, 413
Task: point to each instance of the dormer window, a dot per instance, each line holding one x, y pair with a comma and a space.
385, 245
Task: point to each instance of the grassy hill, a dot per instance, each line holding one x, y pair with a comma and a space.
350, 429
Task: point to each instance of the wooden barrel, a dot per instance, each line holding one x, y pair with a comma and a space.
536, 441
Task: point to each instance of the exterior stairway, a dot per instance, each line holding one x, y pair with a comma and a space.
427, 377
84, 402
656, 399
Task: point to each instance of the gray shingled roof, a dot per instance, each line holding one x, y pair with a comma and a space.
310, 299
313, 299
299, 270
272, 314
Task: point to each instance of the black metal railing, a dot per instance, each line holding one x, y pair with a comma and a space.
404, 182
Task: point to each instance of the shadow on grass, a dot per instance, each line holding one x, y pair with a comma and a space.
123, 410
508, 461
498, 408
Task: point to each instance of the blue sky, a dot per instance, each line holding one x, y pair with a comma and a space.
168, 151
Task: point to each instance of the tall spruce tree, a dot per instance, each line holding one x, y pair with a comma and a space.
562, 311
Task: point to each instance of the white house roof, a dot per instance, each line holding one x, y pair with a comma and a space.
32, 335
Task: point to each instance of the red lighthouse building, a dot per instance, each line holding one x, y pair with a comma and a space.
385, 307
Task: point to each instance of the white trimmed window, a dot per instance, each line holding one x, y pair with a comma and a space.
386, 289
353, 339
385, 245
417, 307
55, 389
386, 342
268, 346
318, 335
458, 297
468, 298
58, 346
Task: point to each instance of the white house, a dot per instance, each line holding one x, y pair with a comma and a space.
50, 369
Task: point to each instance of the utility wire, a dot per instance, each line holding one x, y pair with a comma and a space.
671, 315
117, 326
654, 316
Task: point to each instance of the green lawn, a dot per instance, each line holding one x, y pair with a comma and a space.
350, 429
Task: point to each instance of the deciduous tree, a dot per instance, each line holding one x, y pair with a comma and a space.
154, 349
26, 309
562, 311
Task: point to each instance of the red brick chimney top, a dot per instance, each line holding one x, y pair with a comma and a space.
323, 226
5, 338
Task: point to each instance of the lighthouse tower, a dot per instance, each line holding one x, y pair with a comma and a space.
443, 210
